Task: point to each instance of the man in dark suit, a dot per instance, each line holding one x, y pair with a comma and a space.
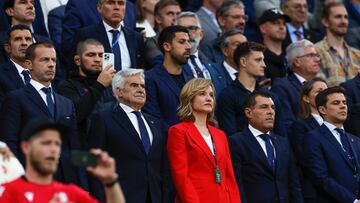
297, 11
198, 65
14, 73
304, 65
166, 79
126, 44
229, 40
352, 88
263, 163
37, 99
135, 139
331, 155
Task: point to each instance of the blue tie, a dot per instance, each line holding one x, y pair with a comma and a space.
199, 73
269, 150
26, 75
49, 100
143, 132
116, 48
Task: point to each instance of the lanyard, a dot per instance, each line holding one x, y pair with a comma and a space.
217, 170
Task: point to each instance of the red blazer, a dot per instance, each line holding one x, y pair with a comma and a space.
192, 166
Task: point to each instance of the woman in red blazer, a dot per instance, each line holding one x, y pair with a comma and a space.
198, 153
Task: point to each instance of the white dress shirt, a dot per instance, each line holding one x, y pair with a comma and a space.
129, 112
256, 133
318, 118
300, 78
38, 86
124, 51
231, 71
334, 132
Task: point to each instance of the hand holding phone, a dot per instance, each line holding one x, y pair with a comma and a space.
83, 158
108, 58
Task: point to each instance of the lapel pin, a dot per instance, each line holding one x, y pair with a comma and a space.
152, 122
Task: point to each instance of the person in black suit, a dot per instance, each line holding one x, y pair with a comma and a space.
36, 100
14, 73
135, 139
126, 44
263, 162
307, 120
331, 155
304, 65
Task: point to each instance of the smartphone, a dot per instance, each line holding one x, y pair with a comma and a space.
83, 158
108, 58
139, 29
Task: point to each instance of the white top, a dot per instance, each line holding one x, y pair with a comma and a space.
129, 112
38, 87
19, 69
232, 72
318, 118
124, 51
257, 134
149, 30
334, 132
292, 29
300, 78
197, 60
208, 141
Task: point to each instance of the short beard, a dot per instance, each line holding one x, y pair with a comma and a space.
39, 169
90, 73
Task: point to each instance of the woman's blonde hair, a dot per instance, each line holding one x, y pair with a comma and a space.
191, 89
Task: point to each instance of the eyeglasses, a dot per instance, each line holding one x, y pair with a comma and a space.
192, 28
236, 17
312, 55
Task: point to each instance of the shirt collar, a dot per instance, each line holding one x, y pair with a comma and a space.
292, 29
109, 28
300, 78
126, 108
257, 132
331, 126
38, 86
18, 67
318, 118
196, 54
230, 69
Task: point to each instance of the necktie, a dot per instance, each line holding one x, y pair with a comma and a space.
269, 150
26, 75
346, 145
198, 71
298, 34
143, 132
49, 100
116, 48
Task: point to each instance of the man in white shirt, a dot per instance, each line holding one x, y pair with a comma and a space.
331, 155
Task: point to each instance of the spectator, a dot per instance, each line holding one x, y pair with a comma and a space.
339, 61
231, 14
229, 40
41, 144
249, 59
297, 11
90, 89
198, 65
166, 12
273, 31
308, 120
304, 65
269, 178
126, 44
38, 100
196, 149
14, 73
145, 16
165, 80
135, 139
330, 152
208, 20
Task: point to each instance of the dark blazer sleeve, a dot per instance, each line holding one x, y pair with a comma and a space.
315, 165
225, 112
152, 106
293, 179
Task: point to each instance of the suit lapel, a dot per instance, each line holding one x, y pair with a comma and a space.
256, 148
195, 135
169, 82
123, 120
13, 75
312, 122
35, 97
278, 151
156, 132
102, 35
326, 132
130, 42
293, 80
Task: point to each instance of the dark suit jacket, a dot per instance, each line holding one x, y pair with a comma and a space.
20, 106
288, 90
134, 41
256, 180
354, 15
9, 79
352, 88
228, 78
162, 93
139, 173
82, 13
308, 34
351, 124
213, 51
55, 17
329, 169
296, 137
